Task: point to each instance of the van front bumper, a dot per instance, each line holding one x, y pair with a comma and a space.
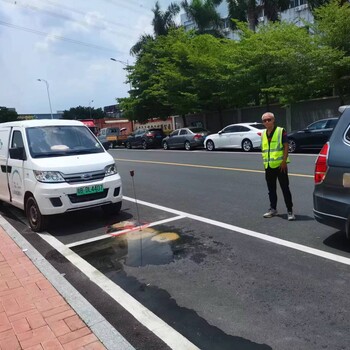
62, 197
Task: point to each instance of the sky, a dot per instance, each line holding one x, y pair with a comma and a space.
69, 45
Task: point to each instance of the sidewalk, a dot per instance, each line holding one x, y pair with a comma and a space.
33, 314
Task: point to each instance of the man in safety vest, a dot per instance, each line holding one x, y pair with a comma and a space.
274, 147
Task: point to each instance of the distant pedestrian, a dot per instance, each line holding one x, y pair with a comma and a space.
274, 147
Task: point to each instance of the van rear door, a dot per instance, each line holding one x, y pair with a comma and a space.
4, 169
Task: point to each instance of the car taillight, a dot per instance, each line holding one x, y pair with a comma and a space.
149, 135
321, 166
197, 136
259, 133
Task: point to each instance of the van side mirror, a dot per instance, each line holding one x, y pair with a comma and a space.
18, 153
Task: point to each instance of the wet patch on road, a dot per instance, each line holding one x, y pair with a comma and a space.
184, 320
138, 247
144, 246
162, 245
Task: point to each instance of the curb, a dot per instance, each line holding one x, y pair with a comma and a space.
102, 329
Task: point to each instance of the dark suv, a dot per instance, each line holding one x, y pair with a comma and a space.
145, 138
332, 177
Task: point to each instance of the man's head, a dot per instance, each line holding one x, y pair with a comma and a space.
268, 120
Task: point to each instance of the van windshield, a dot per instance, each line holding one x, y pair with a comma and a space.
57, 141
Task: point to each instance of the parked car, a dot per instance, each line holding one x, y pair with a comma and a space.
332, 177
145, 138
187, 138
55, 166
246, 136
313, 136
112, 136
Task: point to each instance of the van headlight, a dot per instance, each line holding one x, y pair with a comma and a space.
111, 170
48, 176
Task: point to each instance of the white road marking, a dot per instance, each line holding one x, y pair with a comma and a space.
282, 242
156, 325
117, 233
204, 166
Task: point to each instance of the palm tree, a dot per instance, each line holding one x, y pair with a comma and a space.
248, 10
243, 10
205, 16
162, 22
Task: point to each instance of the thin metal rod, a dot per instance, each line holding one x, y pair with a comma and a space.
48, 95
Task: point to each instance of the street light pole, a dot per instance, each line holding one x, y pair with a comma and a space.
90, 107
48, 94
126, 64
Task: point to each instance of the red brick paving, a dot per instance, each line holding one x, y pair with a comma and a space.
33, 315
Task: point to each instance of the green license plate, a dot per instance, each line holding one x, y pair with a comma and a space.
81, 191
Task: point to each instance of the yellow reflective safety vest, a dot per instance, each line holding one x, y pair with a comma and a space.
272, 153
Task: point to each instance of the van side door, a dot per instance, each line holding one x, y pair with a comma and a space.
4, 168
17, 159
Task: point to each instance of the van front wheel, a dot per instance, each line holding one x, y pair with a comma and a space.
37, 221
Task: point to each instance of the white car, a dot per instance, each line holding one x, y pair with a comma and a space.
246, 136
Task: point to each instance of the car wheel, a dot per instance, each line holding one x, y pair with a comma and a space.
144, 144
187, 146
37, 221
292, 146
112, 209
210, 146
128, 145
247, 145
165, 145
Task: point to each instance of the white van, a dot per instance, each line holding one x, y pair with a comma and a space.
55, 166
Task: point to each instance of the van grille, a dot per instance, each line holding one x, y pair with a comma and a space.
84, 177
88, 197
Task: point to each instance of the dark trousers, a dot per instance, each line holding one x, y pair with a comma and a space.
271, 176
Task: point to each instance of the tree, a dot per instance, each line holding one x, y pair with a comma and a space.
205, 16
284, 63
7, 115
162, 22
332, 26
248, 10
84, 113
314, 4
159, 86
243, 11
181, 73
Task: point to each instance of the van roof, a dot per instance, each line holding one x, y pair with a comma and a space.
41, 122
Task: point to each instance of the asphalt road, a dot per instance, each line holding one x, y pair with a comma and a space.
212, 267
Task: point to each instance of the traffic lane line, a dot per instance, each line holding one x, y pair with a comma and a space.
161, 329
231, 151
121, 232
206, 167
279, 241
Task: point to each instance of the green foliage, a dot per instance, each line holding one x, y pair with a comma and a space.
333, 25
248, 11
283, 63
81, 112
205, 15
162, 22
183, 72
7, 115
